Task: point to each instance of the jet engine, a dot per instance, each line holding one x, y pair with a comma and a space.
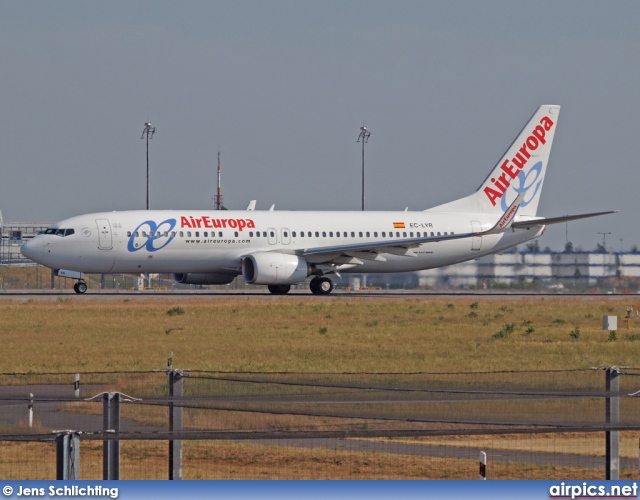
273, 268
204, 278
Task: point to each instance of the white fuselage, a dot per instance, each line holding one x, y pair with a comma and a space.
217, 241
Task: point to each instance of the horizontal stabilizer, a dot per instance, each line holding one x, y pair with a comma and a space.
557, 220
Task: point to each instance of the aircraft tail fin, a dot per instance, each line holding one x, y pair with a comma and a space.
520, 170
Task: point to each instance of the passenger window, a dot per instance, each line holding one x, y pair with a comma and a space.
431, 233
337, 234
367, 234
384, 234
272, 234
344, 234
264, 234
173, 234
285, 234
411, 235
360, 234
293, 234
251, 234
166, 234
397, 234
181, 234
451, 232
144, 234
188, 234
128, 234
353, 235
438, 233
324, 234
330, 234
137, 234
236, 234
445, 233
317, 234
197, 234
302, 234
404, 234
375, 234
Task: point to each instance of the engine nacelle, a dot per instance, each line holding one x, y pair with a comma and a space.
204, 278
273, 268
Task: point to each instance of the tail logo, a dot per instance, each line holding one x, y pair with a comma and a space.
535, 171
512, 169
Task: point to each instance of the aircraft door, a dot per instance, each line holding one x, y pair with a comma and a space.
476, 241
104, 234
273, 236
285, 236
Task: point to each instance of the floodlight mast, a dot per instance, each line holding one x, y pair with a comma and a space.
148, 130
364, 138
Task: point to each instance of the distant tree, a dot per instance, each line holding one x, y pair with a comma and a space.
600, 248
634, 248
533, 246
568, 247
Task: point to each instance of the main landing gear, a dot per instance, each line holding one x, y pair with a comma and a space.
318, 286
80, 287
321, 286
279, 289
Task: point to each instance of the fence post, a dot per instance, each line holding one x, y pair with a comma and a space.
176, 392
68, 456
483, 466
111, 425
30, 408
612, 413
76, 385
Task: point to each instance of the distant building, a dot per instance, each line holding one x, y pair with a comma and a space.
14, 234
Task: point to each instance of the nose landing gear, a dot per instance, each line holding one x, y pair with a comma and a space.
80, 287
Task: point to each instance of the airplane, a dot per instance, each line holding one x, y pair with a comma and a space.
284, 248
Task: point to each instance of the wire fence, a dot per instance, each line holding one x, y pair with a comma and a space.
257, 425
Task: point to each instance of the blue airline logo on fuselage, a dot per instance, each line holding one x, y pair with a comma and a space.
154, 239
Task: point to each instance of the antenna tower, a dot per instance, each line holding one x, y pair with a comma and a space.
219, 195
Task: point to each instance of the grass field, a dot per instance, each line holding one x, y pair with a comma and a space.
301, 334
316, 334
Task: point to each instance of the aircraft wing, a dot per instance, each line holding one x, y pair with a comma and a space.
526, 224
351, 253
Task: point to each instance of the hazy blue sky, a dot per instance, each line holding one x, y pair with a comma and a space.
282, 88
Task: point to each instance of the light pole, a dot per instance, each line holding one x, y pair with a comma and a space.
148, 131
364, 138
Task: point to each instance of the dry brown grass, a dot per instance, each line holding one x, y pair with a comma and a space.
299, 334
296, 334
239, 460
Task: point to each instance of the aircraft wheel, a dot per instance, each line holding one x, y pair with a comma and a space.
324, 286
75, 288
313, 286
80, 287
279, 289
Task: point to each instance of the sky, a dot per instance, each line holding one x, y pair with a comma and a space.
281, 89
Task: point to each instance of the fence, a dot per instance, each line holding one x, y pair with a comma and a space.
172, 424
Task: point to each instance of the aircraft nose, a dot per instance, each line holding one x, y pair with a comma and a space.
33, 249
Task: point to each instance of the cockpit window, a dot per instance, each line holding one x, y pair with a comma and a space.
59, 232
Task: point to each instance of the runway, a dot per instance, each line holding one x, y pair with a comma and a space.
301, 293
